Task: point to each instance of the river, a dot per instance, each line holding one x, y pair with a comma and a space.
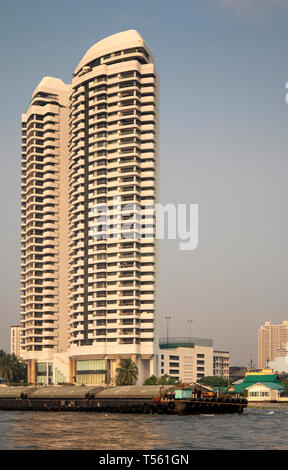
254, 429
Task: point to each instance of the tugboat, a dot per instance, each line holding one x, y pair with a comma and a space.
178, 399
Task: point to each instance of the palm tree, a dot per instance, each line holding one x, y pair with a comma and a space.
127, 373
19, 369
12, 369
6, 368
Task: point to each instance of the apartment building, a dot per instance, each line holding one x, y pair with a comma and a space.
15, 332
186, 359
221, 364
89, 185
44, 228
272, 342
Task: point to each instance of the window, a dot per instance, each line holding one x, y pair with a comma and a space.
259, 394
173, 364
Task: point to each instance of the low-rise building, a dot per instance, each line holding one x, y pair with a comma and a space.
265, 391
221, 364
186, 359
259, 386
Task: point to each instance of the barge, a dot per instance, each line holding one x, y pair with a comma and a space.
183, 399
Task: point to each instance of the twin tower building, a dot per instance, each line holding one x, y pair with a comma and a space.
89, 180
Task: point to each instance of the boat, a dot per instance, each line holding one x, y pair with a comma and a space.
172, 399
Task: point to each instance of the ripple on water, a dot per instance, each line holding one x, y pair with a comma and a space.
254, 429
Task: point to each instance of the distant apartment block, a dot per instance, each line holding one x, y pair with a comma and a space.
279, 365
272, 342
186, 359
89, 299
221, 364
15, 334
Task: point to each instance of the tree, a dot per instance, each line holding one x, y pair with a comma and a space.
151, 380
19, 369
167, 380
163, 380
12, 369
127, 373
6, 370
213, 381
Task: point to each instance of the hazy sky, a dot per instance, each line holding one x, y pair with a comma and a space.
223, 65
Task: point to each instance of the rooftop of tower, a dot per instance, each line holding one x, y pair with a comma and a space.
50, 85
116, 42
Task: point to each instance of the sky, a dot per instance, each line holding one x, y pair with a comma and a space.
223, 66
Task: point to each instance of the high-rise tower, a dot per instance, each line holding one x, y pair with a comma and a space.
44, 230
272, 342
113, 162
89, 250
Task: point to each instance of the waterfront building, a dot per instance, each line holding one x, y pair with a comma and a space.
186, 359
44, 229
265, 377
272, 342
221, 364
270, 391
90, 153
15, 333
249, 375
113, 156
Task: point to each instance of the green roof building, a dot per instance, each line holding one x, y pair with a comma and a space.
260, 388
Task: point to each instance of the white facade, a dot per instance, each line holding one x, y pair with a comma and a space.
114, 157
221, 364
260, 392
44, 238
185, 363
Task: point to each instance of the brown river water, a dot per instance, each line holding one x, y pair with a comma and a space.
254, 429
